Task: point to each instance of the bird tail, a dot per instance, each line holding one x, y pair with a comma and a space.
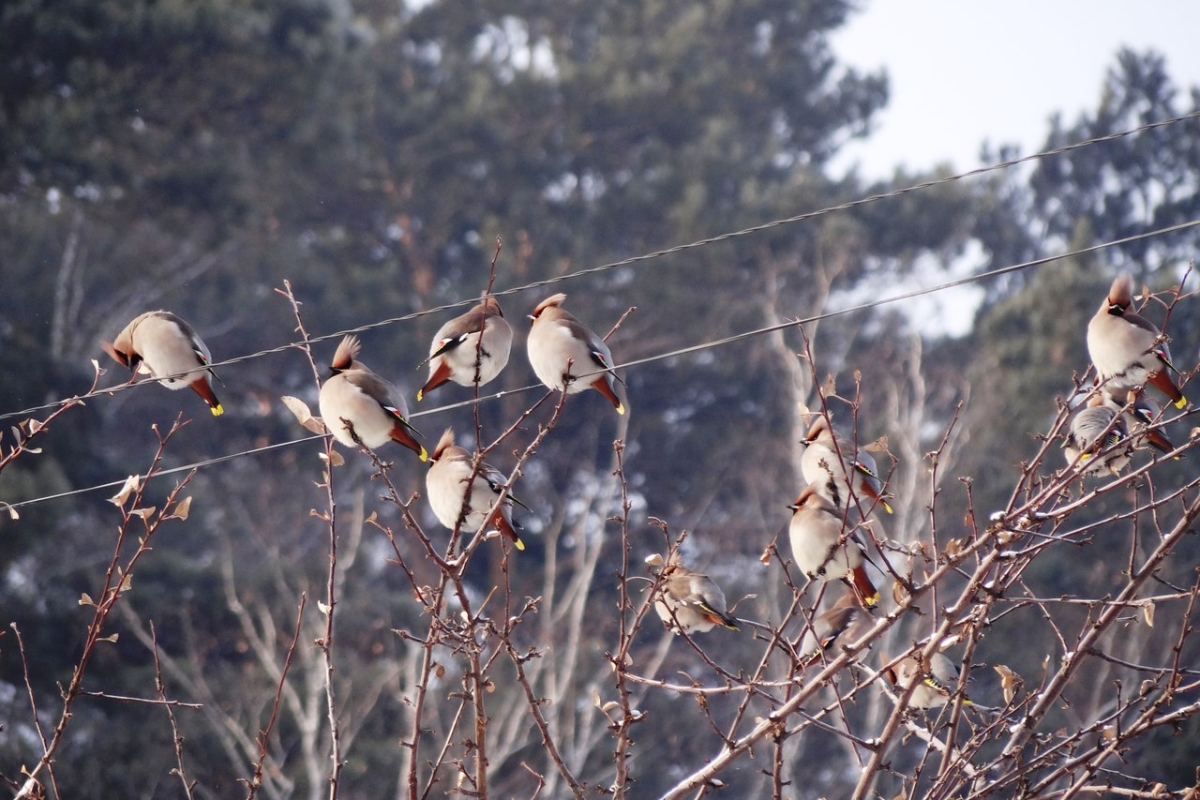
863, 586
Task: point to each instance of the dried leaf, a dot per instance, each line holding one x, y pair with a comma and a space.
1010, 682
439, 670
1148, 612
1108, 734
126, 583
131, 485
12, 512
113, 638
953, 547
596, 701
370, 520
765, 558
144, 513
323, 608
35, 426
85, 599
489, 686
303, 415
880, 445
830, 387
899, 593
335, 458
183, 508
609, 706
1147, 687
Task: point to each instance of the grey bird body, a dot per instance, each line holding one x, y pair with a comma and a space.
820, 549
936, 680
355, 396
455, 495
457, 350
1124, 346
566, 356
161, 344
844, 622
1095, 436
690, 601
838, 478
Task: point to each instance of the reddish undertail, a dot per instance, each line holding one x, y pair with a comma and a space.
201, 387
440, 376
401, 434
601, 385
505, 528
1162, 381
864, 588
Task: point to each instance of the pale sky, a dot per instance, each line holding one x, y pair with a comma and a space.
963, 71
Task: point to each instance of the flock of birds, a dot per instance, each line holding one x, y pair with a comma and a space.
359, 407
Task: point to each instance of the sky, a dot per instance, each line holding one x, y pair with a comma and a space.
962, 72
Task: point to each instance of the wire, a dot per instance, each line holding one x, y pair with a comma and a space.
723, 237
673, 353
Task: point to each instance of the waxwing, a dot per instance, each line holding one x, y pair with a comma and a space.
687, 600
567, 357
161, 344
1098, 429
824, 548
938, 678
844, 622
1124, 346
355, 397
457, 352
1140, 412
460, 492
822, 468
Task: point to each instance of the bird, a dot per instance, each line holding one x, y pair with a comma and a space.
938, 677
459, 492
1140, 414
844, 622
1125, 347
169, 350
567, 356
457, 351
822, 551
822, 467
688, 601
1097, 430
355, 398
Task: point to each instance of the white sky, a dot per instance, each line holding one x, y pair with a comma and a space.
964, 71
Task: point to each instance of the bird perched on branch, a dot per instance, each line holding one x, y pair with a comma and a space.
823, 547
457, 352
169, 350
1095, 436
1140, 413
938, 678
838, 478
1127, 349
458, 491
844, 622
568, 357
687, 600
355, 398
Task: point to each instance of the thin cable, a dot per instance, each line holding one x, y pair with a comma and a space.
1066, 148
681, 351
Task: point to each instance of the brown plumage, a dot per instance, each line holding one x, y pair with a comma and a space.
355, 397
1125, 348
844, 622
689, 601
457, 353
824, 549
163, 345
837, 479
458, 498
568, 357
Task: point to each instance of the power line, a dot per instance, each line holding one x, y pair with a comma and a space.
673, 353
723, 237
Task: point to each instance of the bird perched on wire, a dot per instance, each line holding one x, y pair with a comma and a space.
1098, 438
475, 342
688, 601
170, 351
1127, 348
839, 477
825, 548
937, 679
460, 492
356, 399
844, 622
568, 357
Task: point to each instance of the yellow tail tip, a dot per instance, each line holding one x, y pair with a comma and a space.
1181, 403
621, 408
423, 455
1084, 457
217, 410
886, 507
872, 601
519, 544
420, 395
